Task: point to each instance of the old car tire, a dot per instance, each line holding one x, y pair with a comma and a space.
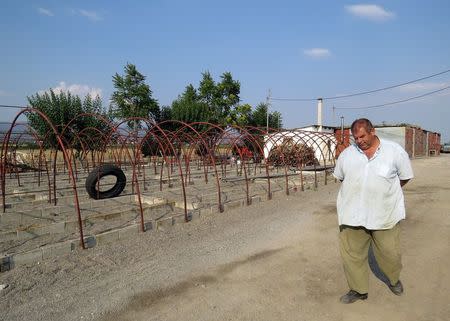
102, 171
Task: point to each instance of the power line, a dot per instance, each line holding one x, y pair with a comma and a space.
365, 92
397, 101
295, 99
13, 106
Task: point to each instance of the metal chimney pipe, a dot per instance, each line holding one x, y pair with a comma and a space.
319, 113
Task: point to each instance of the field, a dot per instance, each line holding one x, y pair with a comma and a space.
273, 260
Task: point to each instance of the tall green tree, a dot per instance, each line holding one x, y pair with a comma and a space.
228, 94
133, 97
60, 109
220, 97
259, 117
207, 91
275, 120
189, 108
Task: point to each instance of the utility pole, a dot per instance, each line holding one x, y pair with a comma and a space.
342, 129
267, 111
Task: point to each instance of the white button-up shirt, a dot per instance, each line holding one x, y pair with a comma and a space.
370, 194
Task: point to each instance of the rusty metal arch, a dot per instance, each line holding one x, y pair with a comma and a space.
60, 143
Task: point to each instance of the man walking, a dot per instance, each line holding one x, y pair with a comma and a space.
370, 205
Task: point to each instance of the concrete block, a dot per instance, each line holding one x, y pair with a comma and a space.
54, 228
90, 241
195, 215
57, 249
148, 226
97, 203
86, 205
71, 226
128, 231
150, 200
66, 209
233, 205
6, 236
277, 193
38, 203
27, 258
112, 216
164, 223
177, 219
25, 234
159, 201
256, 199
189, 205
5, 263
51, 211
41, 197
107, 237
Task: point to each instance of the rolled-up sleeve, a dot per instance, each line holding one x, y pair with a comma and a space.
403, 164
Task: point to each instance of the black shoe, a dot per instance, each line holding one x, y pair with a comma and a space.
352, 296
397, 289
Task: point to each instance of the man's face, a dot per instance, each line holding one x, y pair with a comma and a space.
363, 138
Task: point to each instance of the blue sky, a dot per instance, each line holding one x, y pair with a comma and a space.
298, 49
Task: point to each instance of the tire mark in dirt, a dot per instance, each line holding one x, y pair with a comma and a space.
149, 298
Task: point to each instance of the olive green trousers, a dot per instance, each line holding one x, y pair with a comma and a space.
354, 247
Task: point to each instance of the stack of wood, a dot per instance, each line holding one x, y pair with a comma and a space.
292, 154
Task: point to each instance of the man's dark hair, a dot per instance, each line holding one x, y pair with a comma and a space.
362, 122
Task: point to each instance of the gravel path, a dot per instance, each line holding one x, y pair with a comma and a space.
276, 260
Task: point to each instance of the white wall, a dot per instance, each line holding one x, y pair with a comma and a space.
395, 134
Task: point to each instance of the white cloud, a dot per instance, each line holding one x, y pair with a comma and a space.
3, 93
77, 89
91, 15
45, 12
423, 86
370, 11
317, 52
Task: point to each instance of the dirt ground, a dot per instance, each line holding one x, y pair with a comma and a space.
276, 260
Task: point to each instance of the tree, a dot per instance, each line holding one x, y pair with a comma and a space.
133, 97
61, 109
207, 91
94, 125
275, 120
188, 107
228, 94
219, 97
165, 114
259, 117
241, 115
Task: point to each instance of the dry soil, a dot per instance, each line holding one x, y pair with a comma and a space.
276, 260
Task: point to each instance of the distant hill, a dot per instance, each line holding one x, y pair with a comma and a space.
19, 129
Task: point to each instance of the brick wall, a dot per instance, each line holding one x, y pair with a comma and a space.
409, 141
420, 143
434, 143
416, 143
421, 147
342, 142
